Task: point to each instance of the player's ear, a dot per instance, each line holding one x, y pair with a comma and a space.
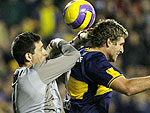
108, 42
28, 57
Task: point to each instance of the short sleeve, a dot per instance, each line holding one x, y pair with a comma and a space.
101, 71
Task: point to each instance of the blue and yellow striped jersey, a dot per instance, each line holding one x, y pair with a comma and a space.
89, 83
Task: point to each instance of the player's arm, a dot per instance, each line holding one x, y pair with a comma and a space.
77, 42
80, 40
131, 86
104, 73
53, 68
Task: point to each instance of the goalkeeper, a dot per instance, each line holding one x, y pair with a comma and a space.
34, 86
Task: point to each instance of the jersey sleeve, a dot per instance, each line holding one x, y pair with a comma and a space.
101, 71
53, 68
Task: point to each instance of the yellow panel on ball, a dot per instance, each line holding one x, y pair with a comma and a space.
72, 11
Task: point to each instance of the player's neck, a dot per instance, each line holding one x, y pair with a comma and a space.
97, 49
100, 49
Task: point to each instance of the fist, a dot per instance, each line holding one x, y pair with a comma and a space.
54, 43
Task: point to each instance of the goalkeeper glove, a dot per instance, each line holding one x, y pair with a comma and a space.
55, 42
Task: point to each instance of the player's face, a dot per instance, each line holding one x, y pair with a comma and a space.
40, 53
116, 49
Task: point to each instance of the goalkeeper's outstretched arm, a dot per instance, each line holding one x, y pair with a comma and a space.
53, 68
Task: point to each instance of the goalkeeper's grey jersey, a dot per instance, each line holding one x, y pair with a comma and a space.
35, 89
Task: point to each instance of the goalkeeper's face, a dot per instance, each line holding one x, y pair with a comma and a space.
40, 53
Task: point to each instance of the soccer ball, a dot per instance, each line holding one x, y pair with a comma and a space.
79, 14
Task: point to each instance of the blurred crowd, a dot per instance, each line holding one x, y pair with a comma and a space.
45, 17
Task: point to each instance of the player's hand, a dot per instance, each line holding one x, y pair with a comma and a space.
84, 34
53, 48
54, 43
81, 39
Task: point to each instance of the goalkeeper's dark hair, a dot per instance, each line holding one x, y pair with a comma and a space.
24, 43
104, 29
